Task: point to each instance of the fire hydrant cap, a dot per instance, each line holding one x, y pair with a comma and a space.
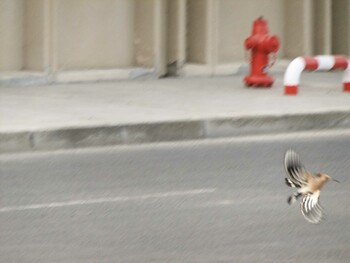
260, 27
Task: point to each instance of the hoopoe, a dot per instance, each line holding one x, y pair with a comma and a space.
309, 187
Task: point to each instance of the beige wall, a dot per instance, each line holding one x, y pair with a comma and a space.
94, 34
54, 36
176, 28
144, 33
33, 35
341, 27
196, 31
293, 27
11, 35
172, 30
322, 26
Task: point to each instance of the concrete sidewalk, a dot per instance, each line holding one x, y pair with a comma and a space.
142, 111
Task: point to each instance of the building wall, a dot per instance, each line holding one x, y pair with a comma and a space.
341, 26
33, 35
94, 34
11, 35
144, 33
196, 31
172, 36
322, 27
293, 28
55, 36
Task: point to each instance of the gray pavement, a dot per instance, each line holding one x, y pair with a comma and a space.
205, 201
172, 109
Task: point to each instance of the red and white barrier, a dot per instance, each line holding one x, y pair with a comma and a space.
317, 63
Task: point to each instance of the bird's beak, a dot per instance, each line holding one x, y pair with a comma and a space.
335, 181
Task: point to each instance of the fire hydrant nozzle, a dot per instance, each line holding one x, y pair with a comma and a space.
261, 45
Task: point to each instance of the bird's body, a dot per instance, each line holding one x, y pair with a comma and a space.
309, 187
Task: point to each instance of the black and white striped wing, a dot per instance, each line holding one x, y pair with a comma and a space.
295, 169
311, 208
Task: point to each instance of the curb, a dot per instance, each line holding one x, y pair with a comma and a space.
70, 138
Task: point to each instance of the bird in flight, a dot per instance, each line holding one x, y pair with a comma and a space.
308, 186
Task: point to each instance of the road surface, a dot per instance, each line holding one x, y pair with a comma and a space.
207, 201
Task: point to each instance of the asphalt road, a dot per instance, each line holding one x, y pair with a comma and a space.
209, 201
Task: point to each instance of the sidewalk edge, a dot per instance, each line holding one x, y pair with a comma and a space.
70, 138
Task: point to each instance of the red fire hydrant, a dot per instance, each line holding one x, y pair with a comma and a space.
261, 45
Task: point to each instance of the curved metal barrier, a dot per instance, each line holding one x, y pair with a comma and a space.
317, 63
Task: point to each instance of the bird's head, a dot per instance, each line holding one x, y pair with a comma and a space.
326, 177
